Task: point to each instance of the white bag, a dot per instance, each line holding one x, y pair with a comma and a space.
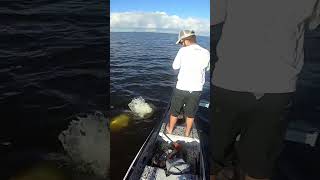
177, 166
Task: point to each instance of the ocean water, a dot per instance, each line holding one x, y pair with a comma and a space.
141, 65
53, 68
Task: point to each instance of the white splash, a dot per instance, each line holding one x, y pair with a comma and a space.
87, 142
140, 107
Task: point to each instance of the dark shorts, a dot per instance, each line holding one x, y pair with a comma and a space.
190, 100
261, 124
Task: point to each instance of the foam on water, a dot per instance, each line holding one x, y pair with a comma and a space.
87, 142
140, 107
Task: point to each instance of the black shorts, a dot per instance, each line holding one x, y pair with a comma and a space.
261, 124
190, 100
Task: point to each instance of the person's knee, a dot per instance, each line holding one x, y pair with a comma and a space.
174, 112
190, 117
174, 115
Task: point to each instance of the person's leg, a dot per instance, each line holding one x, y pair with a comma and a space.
192, 103
172, 123
189, 126
224, 126
177, 102
261, 143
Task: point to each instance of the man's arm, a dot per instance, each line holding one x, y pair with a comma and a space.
218, 11
177, 61
208, 58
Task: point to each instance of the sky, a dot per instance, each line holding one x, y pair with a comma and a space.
169, 16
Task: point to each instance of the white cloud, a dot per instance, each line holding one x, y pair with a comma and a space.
156, 22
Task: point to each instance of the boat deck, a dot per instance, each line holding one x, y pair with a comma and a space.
159, 173
190, 151
178, 133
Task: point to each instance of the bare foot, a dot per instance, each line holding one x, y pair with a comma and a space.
168, 129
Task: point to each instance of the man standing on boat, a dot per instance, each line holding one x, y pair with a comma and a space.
260, 54
192, 61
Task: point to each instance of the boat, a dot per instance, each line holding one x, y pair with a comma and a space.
195, 147
171, 156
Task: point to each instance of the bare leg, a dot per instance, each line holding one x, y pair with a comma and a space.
172, 123
251, 178
189, 126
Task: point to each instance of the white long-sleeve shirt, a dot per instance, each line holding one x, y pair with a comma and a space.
261, 46
192, 61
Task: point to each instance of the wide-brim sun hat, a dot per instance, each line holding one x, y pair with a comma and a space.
184, 34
